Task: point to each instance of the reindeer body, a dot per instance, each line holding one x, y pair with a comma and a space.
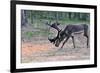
68, 32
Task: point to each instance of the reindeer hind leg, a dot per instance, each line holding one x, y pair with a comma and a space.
86, 35
73, 41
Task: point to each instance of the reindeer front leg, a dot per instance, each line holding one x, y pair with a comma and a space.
65, 41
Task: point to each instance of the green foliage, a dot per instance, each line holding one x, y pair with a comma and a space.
29, 34
67, 21
34, 15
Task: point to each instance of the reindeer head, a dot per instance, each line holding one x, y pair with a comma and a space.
60, 35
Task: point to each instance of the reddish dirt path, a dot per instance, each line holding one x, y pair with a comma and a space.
28, 48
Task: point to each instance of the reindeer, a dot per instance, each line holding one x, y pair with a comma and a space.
68, 32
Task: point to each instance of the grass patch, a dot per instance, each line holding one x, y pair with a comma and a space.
29, 34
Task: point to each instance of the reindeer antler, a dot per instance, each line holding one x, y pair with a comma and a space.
54, 25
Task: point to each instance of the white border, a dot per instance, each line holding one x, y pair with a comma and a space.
20, 65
